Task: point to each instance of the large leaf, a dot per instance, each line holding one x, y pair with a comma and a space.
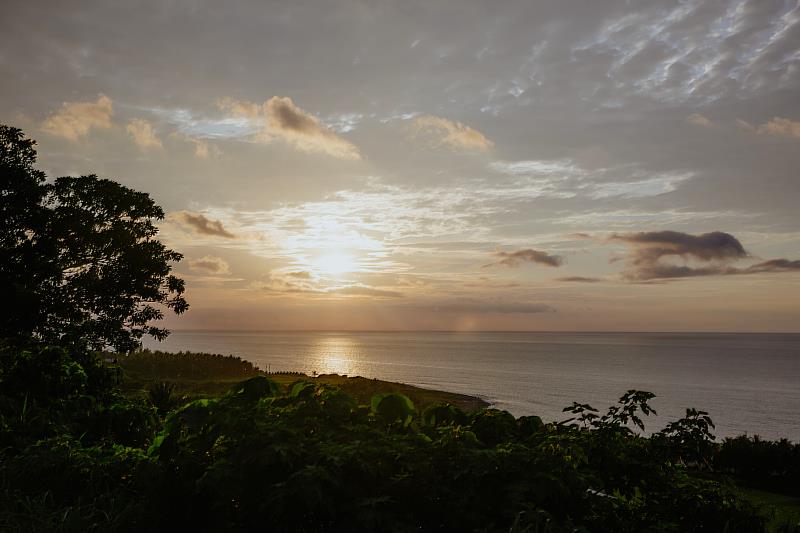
393, 408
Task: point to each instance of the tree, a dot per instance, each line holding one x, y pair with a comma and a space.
79, 260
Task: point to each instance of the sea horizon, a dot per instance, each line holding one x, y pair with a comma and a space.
604, 331
747, 381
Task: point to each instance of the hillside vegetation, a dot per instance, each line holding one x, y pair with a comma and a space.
302, 454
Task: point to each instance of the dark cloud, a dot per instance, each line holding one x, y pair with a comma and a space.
579, 279
514, 259
666, 272
202, 224
775, 265
650, 246
717, 249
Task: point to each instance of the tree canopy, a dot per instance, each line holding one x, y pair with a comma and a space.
80, 263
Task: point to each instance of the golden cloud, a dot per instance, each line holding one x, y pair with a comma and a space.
452, 134
143, 135
210, 265
75, 119
780, 126
699, 120
282, 120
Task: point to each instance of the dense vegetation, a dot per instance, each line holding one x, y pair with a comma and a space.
192, 442
77, 455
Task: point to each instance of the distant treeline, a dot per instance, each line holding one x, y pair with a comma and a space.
185, 365
763, 464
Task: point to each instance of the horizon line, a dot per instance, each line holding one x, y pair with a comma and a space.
188, 330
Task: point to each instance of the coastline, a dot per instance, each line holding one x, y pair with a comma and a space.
195, 375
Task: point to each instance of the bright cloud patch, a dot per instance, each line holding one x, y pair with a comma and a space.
210, 265
281, 120
781, 127
143, 135
454, 135
564, 178
75, 120
699, 120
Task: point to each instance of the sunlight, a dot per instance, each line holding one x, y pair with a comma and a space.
334, 355
334, 264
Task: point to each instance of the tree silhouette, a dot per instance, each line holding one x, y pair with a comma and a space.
79, 260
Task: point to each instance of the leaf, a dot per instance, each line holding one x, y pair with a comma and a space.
393, 408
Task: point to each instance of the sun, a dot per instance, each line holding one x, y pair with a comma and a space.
334, 264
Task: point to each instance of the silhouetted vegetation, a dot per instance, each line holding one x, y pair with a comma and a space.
763, 464
81, 268
187, 365
79, 261
308, 457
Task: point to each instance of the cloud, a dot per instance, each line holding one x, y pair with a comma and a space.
201, 224
344, 123
514, 259
665, 272
564, 178
280, 119
302, 282
74, 120
363, 290
546, 167
452, 134
699, 120
781, 127
661, 51
775, 265
210, 264
202, 148
650, 246
717, 248
143, 135
579, 279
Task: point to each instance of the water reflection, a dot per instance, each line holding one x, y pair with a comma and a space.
335, 354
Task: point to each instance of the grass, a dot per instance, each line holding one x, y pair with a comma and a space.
206, 375
781, 509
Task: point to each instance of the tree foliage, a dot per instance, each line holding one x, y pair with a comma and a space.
80, 263
76, 456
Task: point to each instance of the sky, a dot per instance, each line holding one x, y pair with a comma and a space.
448, 165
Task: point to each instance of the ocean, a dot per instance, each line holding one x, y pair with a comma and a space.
749, 383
